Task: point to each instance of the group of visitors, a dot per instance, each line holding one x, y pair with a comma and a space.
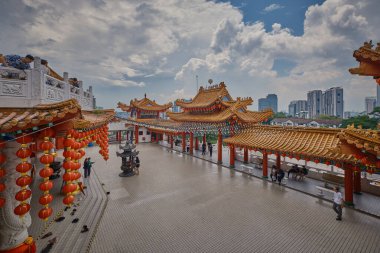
204, 148
297, 172
87, 165
277, 174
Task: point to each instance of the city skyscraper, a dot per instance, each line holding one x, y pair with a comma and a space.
314, 103
270, 101
298, 108
370, 104
332, 102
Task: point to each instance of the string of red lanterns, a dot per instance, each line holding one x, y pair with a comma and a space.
47, 158
25, 179
69, 166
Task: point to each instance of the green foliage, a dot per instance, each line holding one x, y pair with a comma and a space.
377, 109
279, 115
364, 121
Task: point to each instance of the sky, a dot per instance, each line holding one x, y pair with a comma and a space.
127, 48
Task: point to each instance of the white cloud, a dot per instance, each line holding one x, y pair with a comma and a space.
272, 7
160, 46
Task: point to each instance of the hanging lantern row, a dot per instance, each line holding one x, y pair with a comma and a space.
69, 165
2, 173
24, 180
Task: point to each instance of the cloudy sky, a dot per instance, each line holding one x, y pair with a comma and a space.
128, 48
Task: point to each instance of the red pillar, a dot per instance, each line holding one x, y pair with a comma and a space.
278, 161
191, 143
171, 141
245, 155
136, 134
204, 138
157, 137
183, 142
196, 143
265, 164
348, 186
220, 147
357, 182
232, 156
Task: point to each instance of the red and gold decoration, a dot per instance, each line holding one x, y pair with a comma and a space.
47, 158
69, 167
25, 179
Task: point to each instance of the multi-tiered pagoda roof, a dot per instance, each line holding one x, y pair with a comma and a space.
144, 104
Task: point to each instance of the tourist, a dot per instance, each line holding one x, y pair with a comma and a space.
16, 61
210, 149
273, 173
203, 148
338, 203
280, 175
87, 167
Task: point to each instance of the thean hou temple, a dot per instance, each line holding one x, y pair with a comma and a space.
52, 130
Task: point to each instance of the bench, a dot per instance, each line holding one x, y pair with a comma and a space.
321, 190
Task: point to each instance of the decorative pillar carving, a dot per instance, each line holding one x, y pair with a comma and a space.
13, 230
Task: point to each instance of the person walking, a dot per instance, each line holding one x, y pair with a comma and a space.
85, 167
273, 173
210, 149
203, 148
280, 175
338, 203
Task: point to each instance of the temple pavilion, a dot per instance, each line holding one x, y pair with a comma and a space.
44, 132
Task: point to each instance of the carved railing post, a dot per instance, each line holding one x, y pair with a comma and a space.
67, 85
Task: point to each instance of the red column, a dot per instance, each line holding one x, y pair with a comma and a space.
265, 165
278, 160
171, 141
348, 186
183, 142
157, 137
357, 182
220, 147
196, 143
191, 142
245, 155
204, 138
232, 156
136, 134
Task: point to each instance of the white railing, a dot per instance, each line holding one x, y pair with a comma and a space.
27, 88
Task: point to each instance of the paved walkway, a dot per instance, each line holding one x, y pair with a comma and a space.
180, 203
364, 202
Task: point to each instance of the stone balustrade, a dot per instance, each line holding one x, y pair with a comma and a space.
27, 88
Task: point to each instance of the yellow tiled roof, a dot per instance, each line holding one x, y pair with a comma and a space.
369, 60
94, 119
236, 110
144, 104
206, 97
369, 140
311, 142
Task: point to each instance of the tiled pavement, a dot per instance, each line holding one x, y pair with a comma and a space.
364, 202
180, 203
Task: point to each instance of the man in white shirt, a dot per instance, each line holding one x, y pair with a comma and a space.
338, 203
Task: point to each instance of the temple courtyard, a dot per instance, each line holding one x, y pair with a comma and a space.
181, 203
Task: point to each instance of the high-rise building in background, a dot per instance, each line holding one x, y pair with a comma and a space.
298, 108
332, 102
314, 103
269, 102
370, 104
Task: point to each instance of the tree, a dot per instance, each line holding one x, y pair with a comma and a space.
279, 115
364, 121
324, 116
376, 109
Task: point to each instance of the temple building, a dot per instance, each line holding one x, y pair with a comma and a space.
144, 109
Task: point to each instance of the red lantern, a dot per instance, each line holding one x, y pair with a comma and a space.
47, 159
68, 142
2, 158
46, 186
23, 138
46, 172
327, 163
338, 165
23, 167
23, 195
378, 161
48, 132
68, 188
46, 145
23, 153
69, 176
68, 165
68, 200
45, 213
316, 161
23, 181
68, 153
2, 202
2, 172
2, 187
22, 209
46, 199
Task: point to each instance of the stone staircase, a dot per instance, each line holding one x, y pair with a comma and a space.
89, 210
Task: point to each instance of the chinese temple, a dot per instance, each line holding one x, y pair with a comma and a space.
140, 110
212, 110
44, 132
